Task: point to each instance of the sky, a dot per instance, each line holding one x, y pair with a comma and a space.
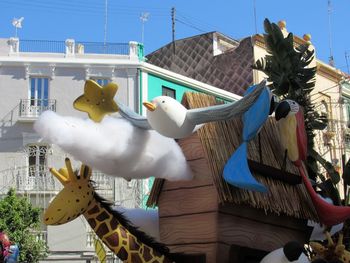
86, 20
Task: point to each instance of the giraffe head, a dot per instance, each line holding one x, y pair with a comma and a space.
74, 198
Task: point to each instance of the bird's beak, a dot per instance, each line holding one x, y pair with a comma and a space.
150, 106
273, 104
282, 110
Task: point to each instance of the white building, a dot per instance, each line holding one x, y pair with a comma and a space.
49, 75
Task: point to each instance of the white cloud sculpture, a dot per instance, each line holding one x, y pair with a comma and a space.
115, 147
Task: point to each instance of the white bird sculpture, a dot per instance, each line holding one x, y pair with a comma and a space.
171, 119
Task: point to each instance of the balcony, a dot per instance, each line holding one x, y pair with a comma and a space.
34, 178
30, 109
38, 179
71, 48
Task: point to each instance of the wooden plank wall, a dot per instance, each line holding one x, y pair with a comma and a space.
192, 221
249, 227
188, 210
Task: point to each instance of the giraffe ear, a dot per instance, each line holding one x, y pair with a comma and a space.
61, 175
85, 171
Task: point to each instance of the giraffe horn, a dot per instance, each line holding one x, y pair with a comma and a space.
85, 171
59, 175
69, 169
329, 238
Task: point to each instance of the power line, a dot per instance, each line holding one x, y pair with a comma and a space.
189, 25
72, 7
196, 22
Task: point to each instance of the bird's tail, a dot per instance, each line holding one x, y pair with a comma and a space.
237, 173
328, 214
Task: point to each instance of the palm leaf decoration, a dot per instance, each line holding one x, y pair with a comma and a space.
291, 77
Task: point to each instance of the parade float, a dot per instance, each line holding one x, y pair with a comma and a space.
232, 187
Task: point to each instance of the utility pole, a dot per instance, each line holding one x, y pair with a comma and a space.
173, 27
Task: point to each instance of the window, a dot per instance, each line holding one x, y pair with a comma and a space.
346, 101
101, 81
37, 159
168, 92
39, 91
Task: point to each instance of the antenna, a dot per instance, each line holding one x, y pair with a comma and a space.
331, 58
256, 28
17, 23
106, 23
143, 18
347, 62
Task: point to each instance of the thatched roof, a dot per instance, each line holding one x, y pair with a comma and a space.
287, 195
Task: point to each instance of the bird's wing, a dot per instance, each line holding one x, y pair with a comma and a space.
136, 119
225, 111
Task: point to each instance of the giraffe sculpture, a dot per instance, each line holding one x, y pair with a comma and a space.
79, 197
331, 251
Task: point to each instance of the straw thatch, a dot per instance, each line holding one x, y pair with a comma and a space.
219, 141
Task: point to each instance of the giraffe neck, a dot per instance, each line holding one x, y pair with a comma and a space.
118, 238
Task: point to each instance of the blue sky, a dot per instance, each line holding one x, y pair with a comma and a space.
84, 20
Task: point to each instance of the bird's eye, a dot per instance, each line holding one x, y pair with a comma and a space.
163, 101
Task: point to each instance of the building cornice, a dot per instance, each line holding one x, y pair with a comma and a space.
175, 77
69, 61
323, 69
121, 63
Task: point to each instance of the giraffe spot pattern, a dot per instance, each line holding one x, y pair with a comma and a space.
147, 253
103, 216
92, 222
113, 239
102, 230
114, 223
133, 245
135, 258
93, 210
122, 254
123, 232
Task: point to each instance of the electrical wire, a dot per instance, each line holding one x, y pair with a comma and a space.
84, 8
194, 21
189, 25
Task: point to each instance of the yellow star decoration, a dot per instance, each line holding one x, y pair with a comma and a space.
97, 101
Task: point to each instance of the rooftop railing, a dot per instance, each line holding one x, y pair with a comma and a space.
70, 48
80, 47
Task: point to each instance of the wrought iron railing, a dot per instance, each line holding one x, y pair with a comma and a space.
34, 107
37, 178
102, 48
28, 178
42, 46
45, 46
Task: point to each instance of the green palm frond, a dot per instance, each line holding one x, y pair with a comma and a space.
288, 69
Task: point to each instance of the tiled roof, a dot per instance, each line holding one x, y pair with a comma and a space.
194, 58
